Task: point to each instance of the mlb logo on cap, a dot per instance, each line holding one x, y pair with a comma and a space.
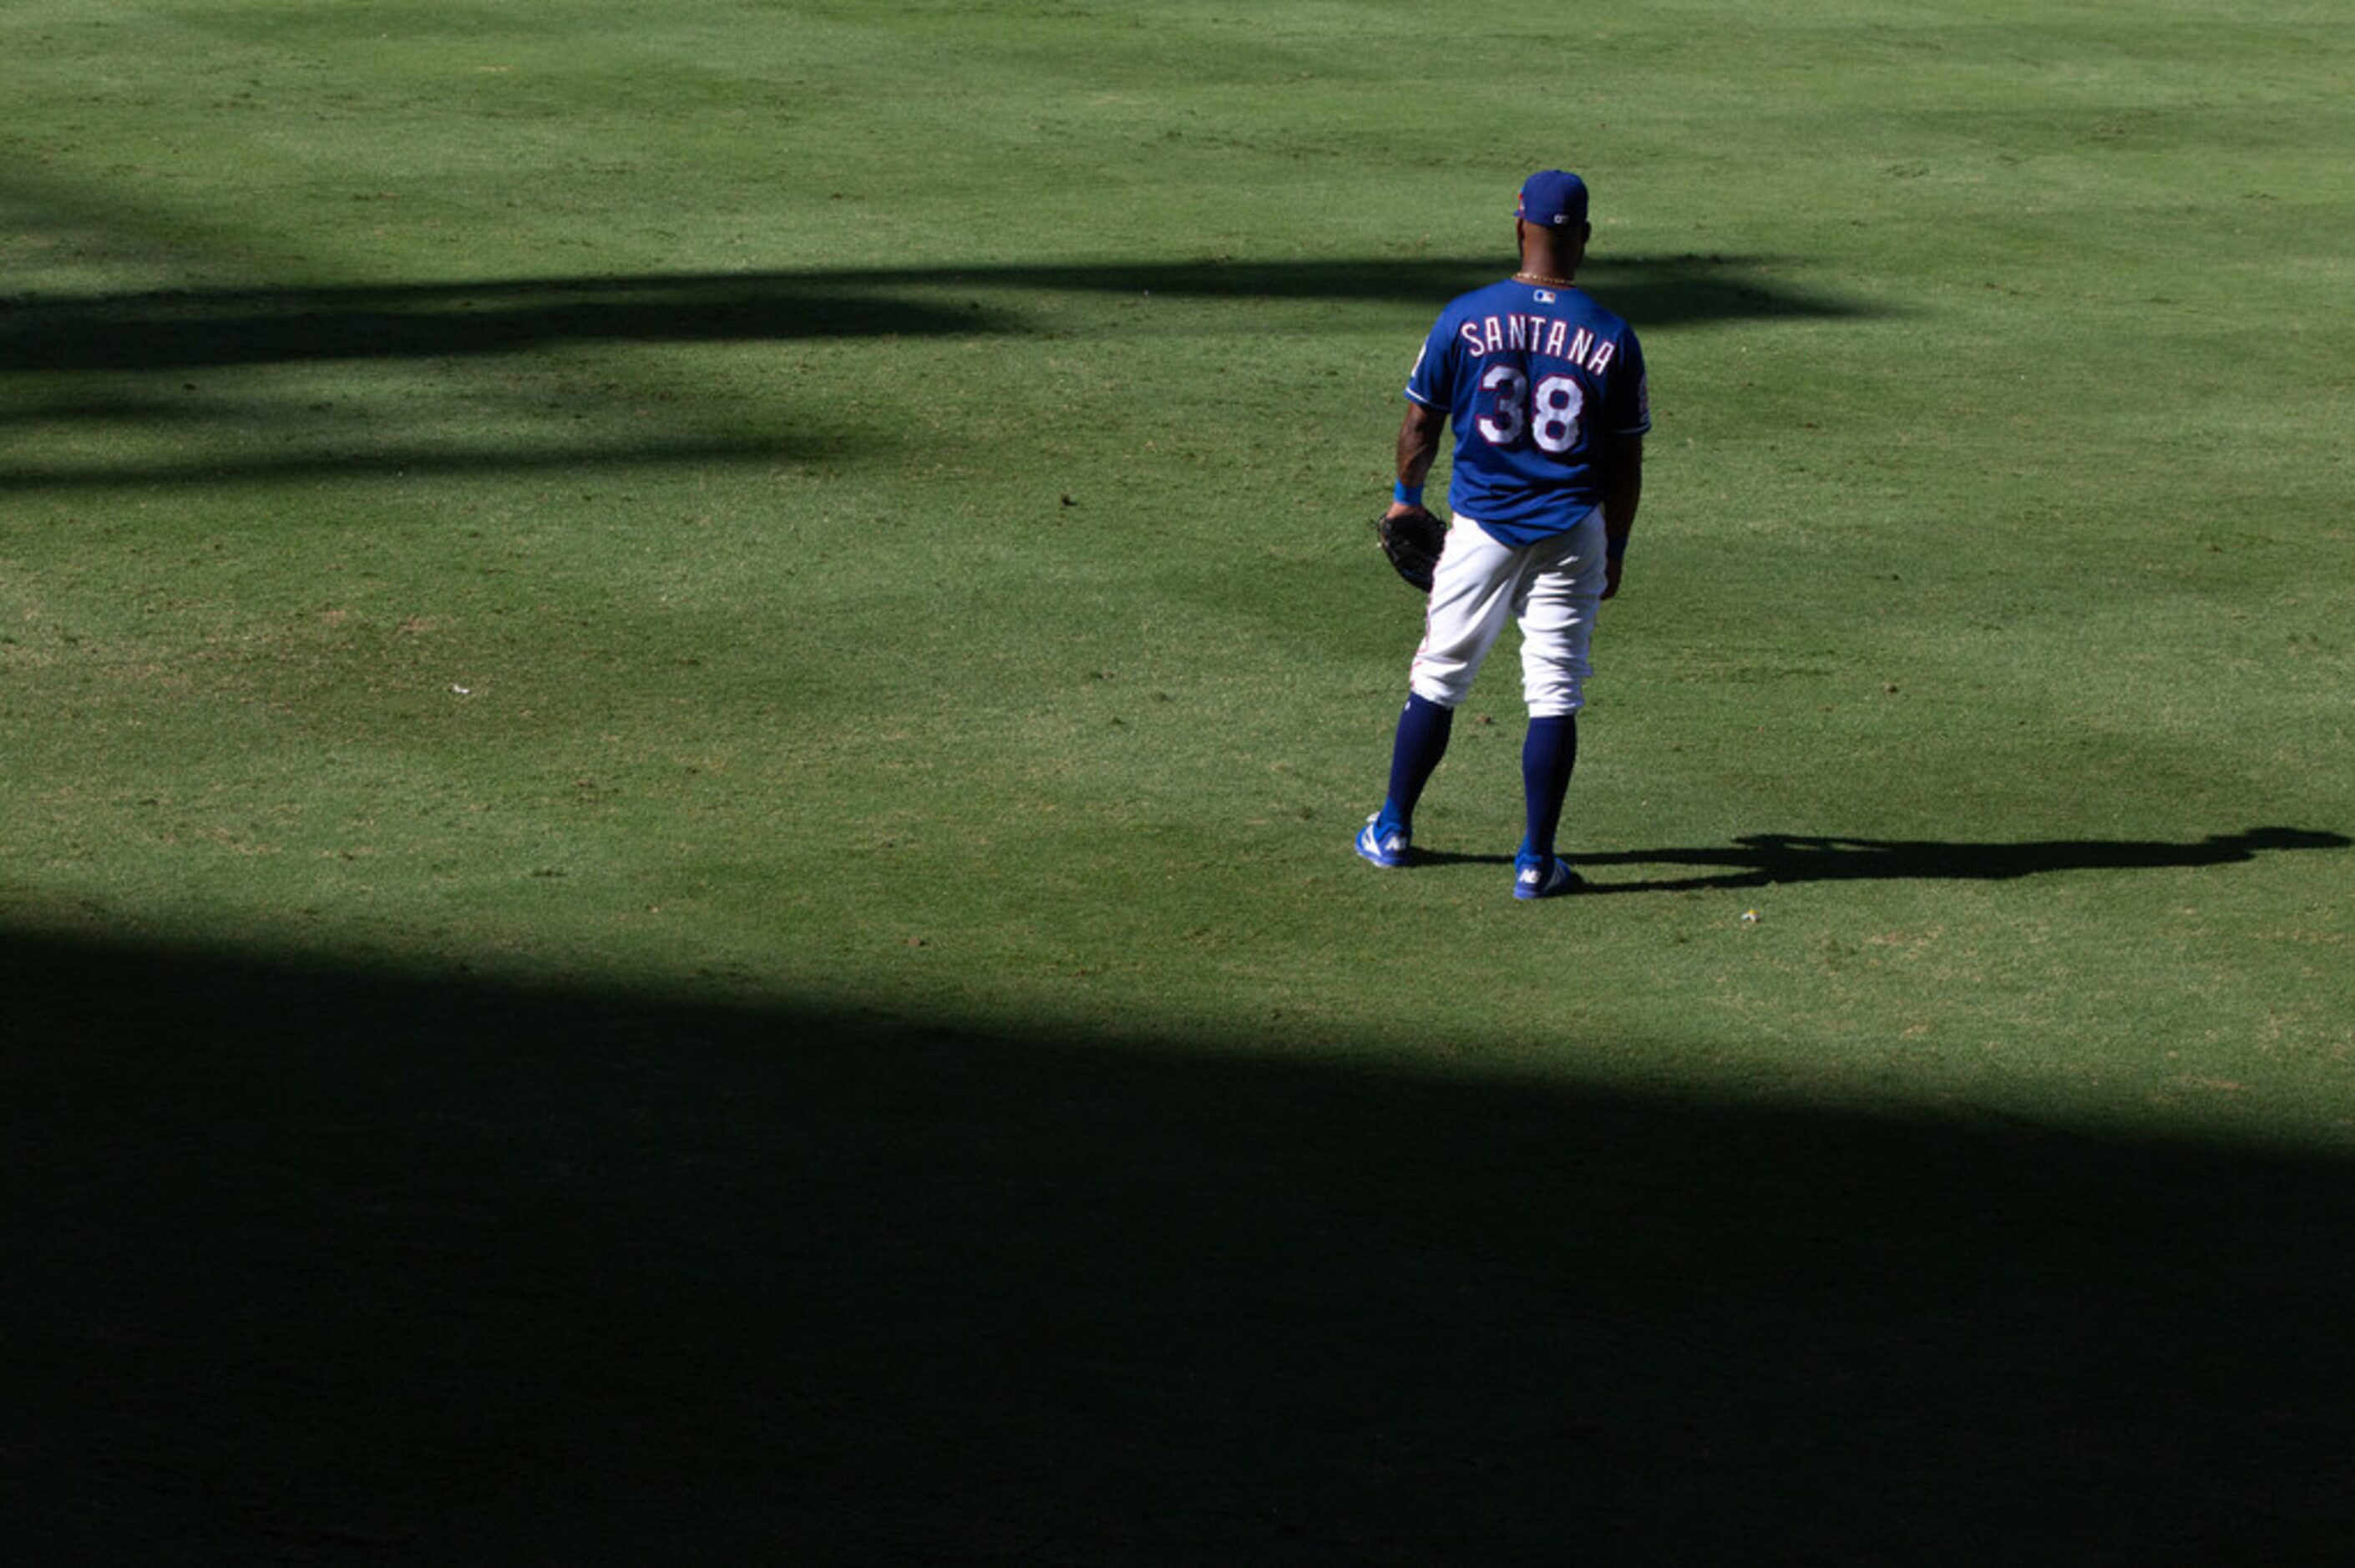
1553, 199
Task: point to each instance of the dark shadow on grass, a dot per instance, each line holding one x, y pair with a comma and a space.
140, 348
248, 467
186, 330
1764, 860
319, 1262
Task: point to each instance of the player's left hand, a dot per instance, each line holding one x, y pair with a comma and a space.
1413, 539
1612, 565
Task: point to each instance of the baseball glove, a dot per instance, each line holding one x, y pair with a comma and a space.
1411, 539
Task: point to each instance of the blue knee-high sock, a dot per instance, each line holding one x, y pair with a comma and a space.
1547, 755
1422, 731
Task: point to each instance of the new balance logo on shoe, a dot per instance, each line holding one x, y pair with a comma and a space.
1547, 878
1390, 849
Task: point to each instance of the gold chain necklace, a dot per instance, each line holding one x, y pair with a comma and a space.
1542, 281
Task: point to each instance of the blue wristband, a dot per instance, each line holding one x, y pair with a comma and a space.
1406, 494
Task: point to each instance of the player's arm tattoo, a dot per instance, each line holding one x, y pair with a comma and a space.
1418, 441
1622, 490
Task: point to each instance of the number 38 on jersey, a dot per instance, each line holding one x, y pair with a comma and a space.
1546, 413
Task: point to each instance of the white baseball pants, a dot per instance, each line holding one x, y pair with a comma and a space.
1552, 587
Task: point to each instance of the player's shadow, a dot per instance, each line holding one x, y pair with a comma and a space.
1766, 860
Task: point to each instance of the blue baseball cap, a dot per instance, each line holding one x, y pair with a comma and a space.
1553, 199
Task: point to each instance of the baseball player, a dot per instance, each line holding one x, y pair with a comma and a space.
1545, 389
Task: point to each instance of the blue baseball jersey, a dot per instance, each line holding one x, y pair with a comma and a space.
1537, 381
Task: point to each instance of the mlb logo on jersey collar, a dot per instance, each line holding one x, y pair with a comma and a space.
1552, 198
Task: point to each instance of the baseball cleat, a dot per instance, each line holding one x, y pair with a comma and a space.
1544, 878
1386, 849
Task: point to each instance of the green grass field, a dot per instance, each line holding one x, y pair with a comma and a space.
684, 688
